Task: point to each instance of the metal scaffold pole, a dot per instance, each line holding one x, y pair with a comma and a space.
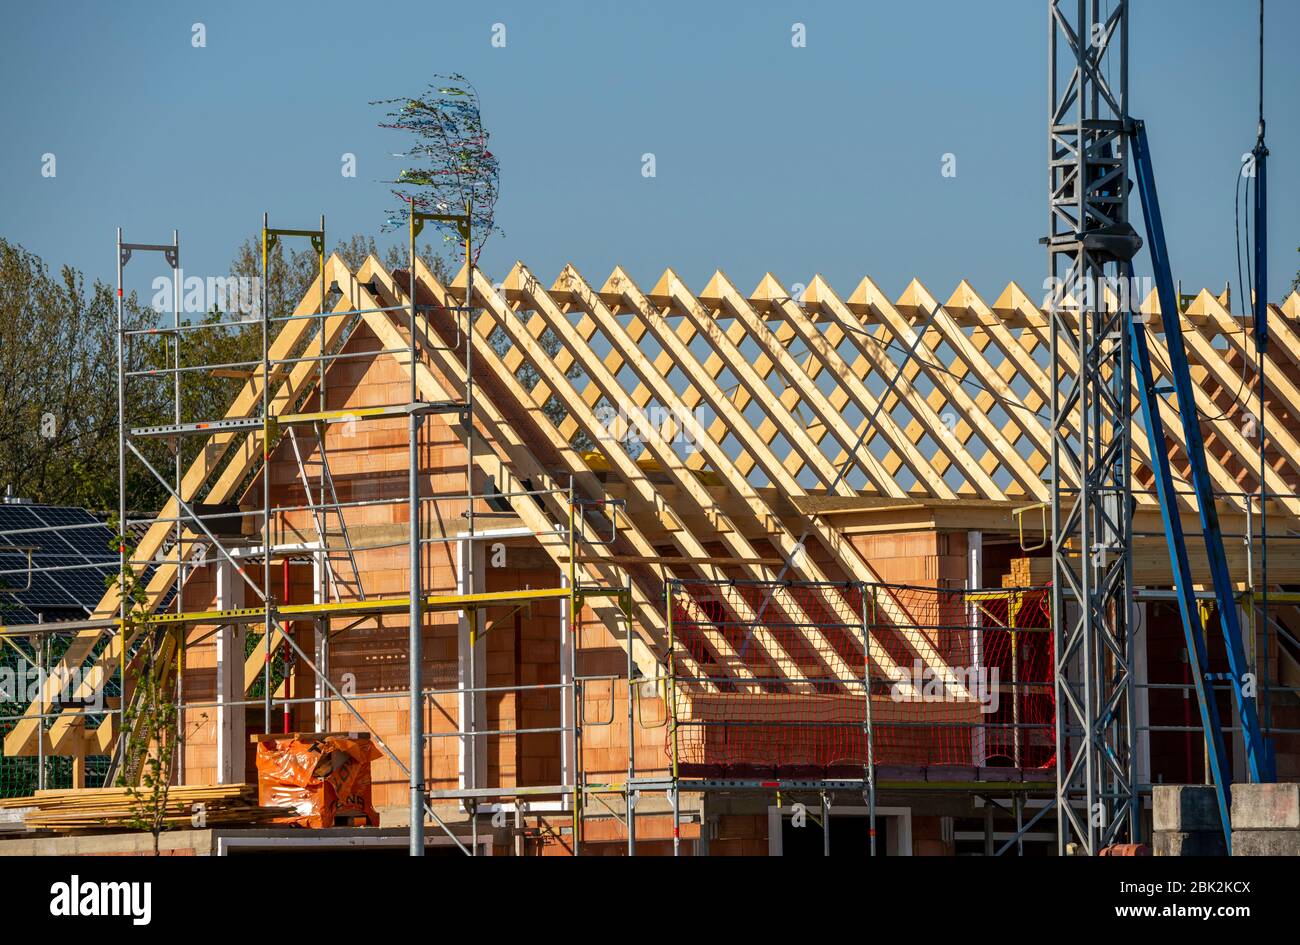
413, 513
629, 794
296, 363
867, 622
123, 254
323, 565
470, 577
268, 622
670, 693
178, 472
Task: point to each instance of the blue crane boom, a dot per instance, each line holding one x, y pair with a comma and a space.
1259, 761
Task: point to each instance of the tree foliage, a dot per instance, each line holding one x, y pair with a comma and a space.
151, 722
58, 381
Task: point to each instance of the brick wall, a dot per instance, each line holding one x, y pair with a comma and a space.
930, 558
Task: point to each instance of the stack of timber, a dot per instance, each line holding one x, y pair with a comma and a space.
222, 805
1024, 571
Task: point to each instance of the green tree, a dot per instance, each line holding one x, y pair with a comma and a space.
151, 724
58, 381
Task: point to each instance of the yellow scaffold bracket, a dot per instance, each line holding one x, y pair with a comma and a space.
1020, 524
462, 221
270, 430
317, 237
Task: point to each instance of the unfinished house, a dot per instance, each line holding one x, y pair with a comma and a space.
703, 572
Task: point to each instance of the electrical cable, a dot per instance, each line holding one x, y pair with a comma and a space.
1260, 307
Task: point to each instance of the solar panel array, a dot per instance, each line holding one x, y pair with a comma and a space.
71, 558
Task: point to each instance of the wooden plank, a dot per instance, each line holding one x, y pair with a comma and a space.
781, 660
823, 345
820, 293
924, 356
835, 544
686, 479
721, 289
996, 389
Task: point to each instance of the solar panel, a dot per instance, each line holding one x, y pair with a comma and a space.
70, 560
13, 613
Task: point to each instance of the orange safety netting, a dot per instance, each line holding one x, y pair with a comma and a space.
957, 677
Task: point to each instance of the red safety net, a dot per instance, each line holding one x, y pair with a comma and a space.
774, 675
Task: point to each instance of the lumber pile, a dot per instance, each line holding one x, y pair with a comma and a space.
1026, 571
14, 820
222, 805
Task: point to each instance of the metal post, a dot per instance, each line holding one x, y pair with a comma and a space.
322, 559
1260, 307
416, 648
866, 679
575, 703
121, 505
320, 335
469, 384
267, 623
670, 693
41, 646
573, 620
1013, 600
826, 825
629, 797
469, 511
178, 473
974, 572
1258, 634
180, 704
472, 721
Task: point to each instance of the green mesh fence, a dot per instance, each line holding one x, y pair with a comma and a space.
22, 775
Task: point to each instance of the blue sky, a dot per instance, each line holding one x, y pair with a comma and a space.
768, 157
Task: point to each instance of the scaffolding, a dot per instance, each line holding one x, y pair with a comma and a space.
285, 403
980, 718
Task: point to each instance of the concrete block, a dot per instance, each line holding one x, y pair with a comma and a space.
1189, 843
1266, 842
1185, 807
1265, 807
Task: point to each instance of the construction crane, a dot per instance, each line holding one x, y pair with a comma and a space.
1091, 137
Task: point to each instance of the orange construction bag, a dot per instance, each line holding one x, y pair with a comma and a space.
323, 778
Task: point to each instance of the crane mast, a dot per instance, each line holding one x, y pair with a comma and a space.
1090, 245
